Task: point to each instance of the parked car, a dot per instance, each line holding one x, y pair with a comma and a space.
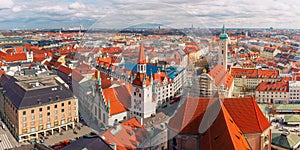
176, 99
295, 130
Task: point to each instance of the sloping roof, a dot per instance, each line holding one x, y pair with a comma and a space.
140, 78
221, 76
15, 57
21, 97
94, 142
64, 69
254, 73
273, 86
142, 57
223, 133
125, 137
244, 112
113, 95
285, 141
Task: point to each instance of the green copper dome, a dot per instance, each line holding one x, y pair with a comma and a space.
223, 35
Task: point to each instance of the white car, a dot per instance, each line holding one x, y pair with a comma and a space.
295, 130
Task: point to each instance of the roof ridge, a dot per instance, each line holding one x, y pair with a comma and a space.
256, 112
231, 134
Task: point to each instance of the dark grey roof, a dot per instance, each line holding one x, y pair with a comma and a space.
22, 98
90, 143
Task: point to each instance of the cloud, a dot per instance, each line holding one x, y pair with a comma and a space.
6, 4
209, 13
76, 5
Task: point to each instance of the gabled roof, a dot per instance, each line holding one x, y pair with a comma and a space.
244, 112
285, 141
15, 57
64, 69
114, 95
89, 143
221, 76
125, 137
223, 133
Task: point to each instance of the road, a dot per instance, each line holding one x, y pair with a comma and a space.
5, 142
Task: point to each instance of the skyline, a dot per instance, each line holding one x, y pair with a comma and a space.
34, 14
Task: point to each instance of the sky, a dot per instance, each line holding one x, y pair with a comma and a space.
42, 14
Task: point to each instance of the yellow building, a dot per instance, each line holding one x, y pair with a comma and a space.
35, 107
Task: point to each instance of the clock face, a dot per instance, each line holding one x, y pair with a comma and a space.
137, 90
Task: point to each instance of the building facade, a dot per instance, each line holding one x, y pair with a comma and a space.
35, 107
294, 91
223, 48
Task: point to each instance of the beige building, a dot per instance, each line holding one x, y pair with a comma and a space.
269, 52
272, 92
35, 107
251, 78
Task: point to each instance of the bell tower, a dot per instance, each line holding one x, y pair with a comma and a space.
142, 104
223, 48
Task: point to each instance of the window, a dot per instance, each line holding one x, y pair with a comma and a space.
48, 113
134, 93
140, 95
41, 121
55, 106
41, 109
63, 115
62, 110
32, 123
24, 125
48, 107
55, 111
48, 119
32, 111
32, 117
62, 104
41, 115
24, 118
69, 114
55, 118
69, 103
24, 112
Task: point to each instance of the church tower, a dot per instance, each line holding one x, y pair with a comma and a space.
223, 48
142, 104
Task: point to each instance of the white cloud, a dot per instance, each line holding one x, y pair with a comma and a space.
211, 13
76, 5
6, 4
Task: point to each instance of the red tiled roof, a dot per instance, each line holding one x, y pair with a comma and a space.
142, 57
223, 133
76, 76
126, 137
221, 76
15, 57
244, 112
64, 69
254, 73
116, 106
39, 57
139, 79
133, 123
105, 80
280, 86
111, 50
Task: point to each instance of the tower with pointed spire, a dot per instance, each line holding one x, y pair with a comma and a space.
223, 48
142, 104
141, 65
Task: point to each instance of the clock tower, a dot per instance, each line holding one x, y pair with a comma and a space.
223, 48
142, 104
